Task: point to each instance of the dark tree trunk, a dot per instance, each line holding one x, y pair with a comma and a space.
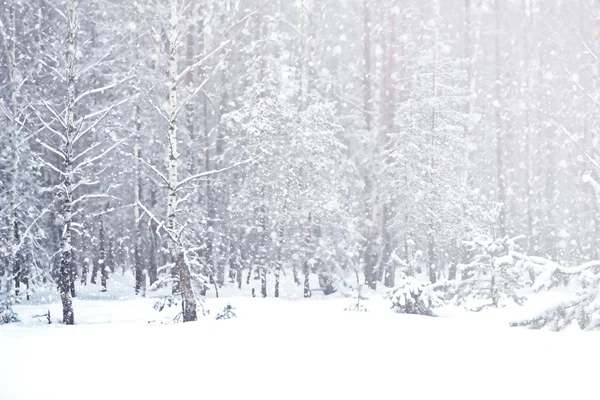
188, 303
452, 271
249, 276
239, 276
277, 274
387, 246
110, 258
102, 257
307, 292
139, 271
432, 261
233, 269
390, 276
94, 273
370, 260
17, 263
72, 278
64, 287
262, 250
220, 274
153, 259
175, 275
84, 272
263, 282
85, 251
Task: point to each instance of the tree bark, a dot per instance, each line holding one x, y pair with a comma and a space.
102, 257
176, 250
137, 187
500, 175
66, 268
307, 292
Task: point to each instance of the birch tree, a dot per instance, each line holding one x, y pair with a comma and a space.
65, 131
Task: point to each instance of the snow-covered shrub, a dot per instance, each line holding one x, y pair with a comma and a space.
227, 313
7, 315
584, 306
413, 297
493, 276
357, 295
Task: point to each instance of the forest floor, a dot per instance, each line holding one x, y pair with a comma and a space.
121, 348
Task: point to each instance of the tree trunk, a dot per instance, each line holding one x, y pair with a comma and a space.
102, 257
175, 250
65, 280
172, 154
14, 166
500, 176
188, 298
370, 258
277, 273
18, 270
431, 260
137, 187
153, 256
307, 292
263, 282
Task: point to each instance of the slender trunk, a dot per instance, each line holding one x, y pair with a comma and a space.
306, 271
263, 282
471, 88
263, 250
431, 259
18, 270
85, 251
501, 179
153, 245
102, 257
529, 156
65, 279
308, 255
187, 291
175, 247
387, 270
11, 266
277, 273
137, 188
370, 258
110, 260
94, 273
172, 135
431, 247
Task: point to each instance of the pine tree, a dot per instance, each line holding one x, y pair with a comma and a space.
493, 274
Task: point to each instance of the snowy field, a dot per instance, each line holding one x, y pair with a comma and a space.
121, 348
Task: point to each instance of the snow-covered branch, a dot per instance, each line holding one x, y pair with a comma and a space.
189, 179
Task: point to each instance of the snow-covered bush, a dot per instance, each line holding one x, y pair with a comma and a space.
357, 295
414, 297
582, 308
493, 276
7, 315
227, 313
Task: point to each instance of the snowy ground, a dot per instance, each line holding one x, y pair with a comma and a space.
286, 349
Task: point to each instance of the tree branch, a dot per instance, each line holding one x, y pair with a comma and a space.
208, 173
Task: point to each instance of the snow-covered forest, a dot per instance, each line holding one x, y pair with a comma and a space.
431, 151
326, 174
